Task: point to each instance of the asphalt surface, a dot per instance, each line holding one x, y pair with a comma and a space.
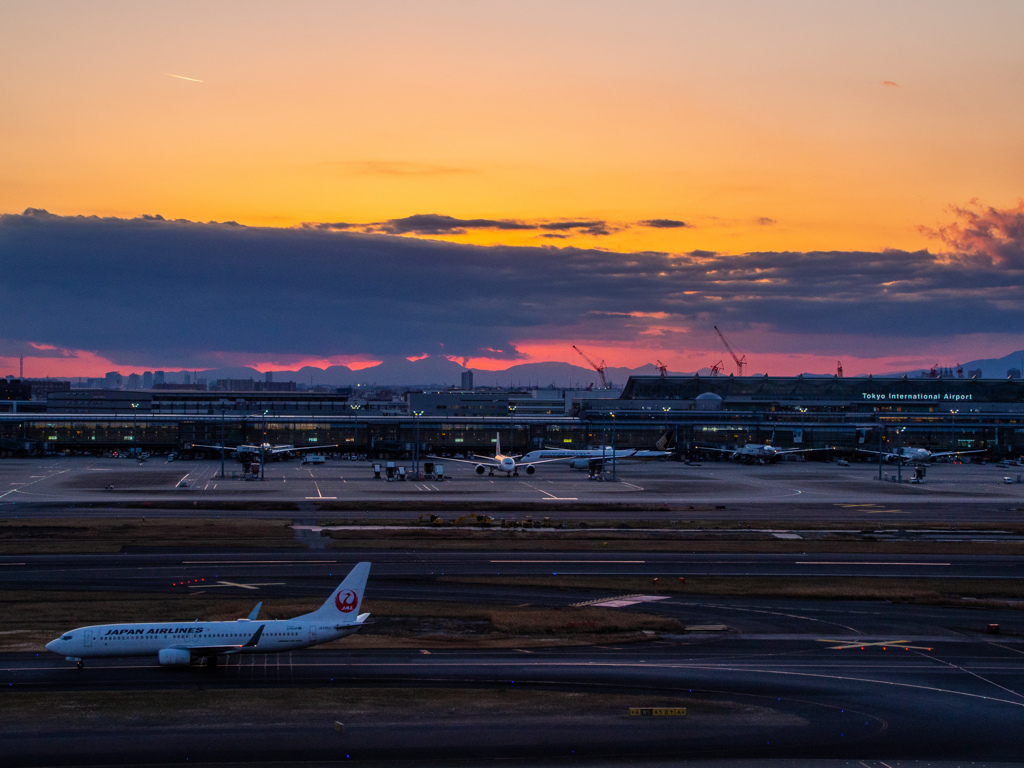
791, 491
786, 698
233, 570
854, 683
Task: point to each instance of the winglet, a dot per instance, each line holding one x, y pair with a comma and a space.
255, 611
255, 638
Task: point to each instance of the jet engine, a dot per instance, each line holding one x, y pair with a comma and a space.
174, 657
528, 469
480, 469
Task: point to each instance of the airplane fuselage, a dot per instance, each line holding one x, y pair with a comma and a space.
183, 642
149, 639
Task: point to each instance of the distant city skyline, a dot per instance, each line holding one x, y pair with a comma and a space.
197, 185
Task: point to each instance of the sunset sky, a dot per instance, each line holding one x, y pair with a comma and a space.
496, 181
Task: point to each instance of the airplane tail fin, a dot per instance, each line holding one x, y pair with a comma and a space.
667, 442
344, 603
497, 444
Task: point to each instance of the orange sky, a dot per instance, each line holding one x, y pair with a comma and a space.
763, 126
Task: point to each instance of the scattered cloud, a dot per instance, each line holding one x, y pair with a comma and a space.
890, 84
436, 224
581, 227
663, 223
764, 221
992, 234
136, 291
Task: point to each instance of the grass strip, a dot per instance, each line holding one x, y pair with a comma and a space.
43, 712
392, 623
82, 535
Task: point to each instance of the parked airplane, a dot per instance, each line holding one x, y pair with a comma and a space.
503, 463
181, 643
592, 458
755, 453
915, 455
253, 452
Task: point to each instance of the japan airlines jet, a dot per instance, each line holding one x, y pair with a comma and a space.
181, 643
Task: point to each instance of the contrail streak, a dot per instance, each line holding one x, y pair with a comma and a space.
182, 77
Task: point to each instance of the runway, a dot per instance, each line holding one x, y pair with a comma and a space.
761, 698
163, 571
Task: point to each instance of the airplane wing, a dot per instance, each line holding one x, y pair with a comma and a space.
229, 448
957, 453
201, 651
292, 449
487, 461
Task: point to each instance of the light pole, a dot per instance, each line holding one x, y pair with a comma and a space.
263, 444
604, 440
416, 448
613, 445
881, 432
899, 454
953, 413
135, 437
511, 426
222, 412
355, 429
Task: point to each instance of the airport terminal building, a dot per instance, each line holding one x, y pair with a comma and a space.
843, 414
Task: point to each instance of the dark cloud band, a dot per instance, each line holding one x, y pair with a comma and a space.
149, 289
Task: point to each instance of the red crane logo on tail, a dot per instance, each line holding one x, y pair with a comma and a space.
346, 601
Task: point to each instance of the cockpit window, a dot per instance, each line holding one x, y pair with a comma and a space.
66, 637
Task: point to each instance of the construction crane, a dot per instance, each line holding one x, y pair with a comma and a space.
595, 366
839, 369
662, 369
740, 361
716, 368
